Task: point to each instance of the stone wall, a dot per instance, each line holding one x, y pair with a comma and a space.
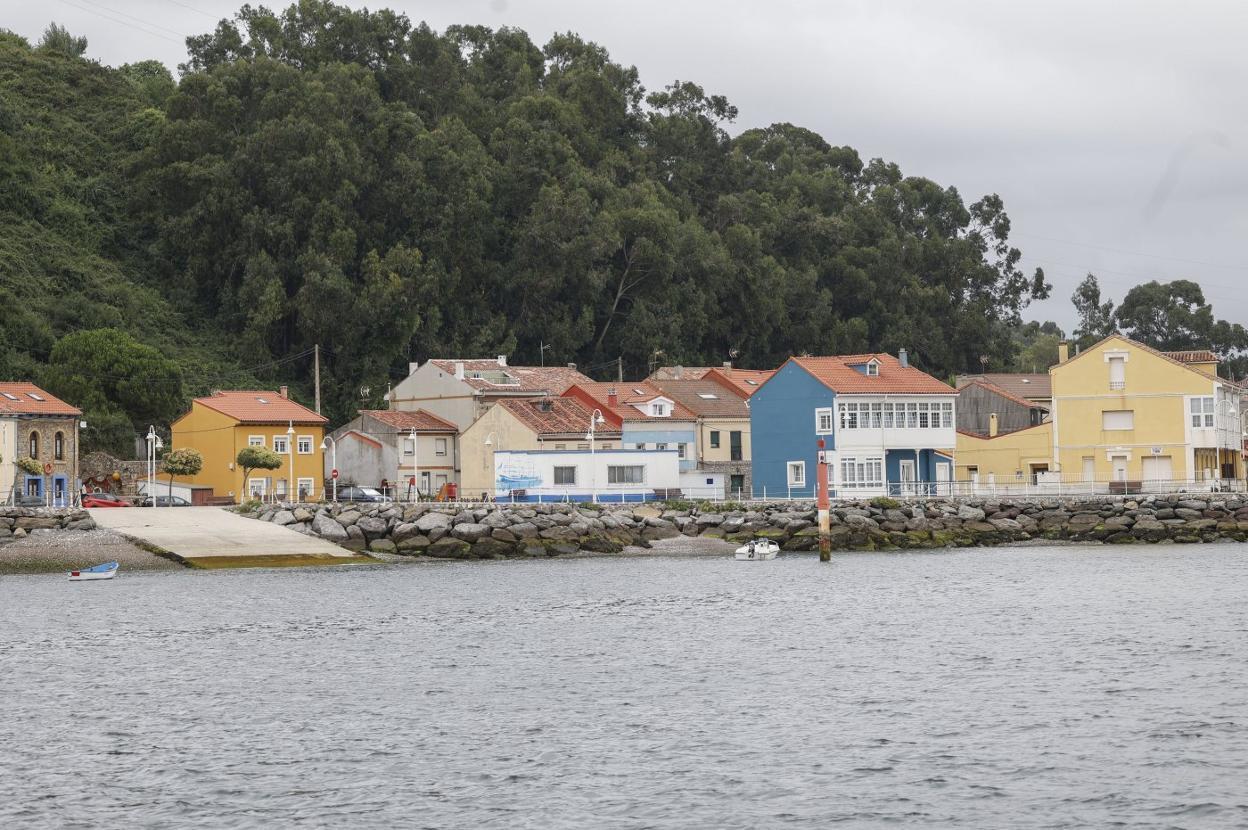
19, 522
493, 531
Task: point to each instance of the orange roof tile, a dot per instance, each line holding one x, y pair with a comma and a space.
22, 398
259, 407
633, 392
1193, 356
745, 380
405, 421
1020, 384
837, 374
558, 416
706, 398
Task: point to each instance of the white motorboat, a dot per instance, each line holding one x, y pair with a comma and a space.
107, 570
757, 549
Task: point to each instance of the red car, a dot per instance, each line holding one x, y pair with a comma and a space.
103, 500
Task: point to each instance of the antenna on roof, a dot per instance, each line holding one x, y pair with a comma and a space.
541, 351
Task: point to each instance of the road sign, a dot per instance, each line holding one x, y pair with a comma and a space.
412, 481
334, 474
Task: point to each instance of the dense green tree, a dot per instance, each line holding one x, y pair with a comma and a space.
121, 386
1096, 318
56, 38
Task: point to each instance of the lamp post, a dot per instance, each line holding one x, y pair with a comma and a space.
333, 462
290, 452
415, 462
595, 418
489, 442
1225, 427
153, 445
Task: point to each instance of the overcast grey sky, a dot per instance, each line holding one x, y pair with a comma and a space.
1114, 131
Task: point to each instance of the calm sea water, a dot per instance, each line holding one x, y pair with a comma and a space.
1055, 687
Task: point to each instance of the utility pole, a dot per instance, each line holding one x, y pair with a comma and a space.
316, 376
619, 369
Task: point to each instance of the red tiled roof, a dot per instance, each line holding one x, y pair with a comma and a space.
405, 421
18, 398
679, 373
1193, 356
745, 380
1030, 385
836, 373
997, 390
559, 416
520, 380
628, 393
260, 407
706, 398
1169, 356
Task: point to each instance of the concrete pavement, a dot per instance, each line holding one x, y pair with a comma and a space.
213, 537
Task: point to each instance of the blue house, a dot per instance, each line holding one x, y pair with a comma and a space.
888, 428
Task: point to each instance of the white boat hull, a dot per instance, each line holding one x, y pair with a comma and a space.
758, 551
105, 571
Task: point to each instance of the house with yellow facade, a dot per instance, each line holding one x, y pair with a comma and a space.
221, 424
1127, 417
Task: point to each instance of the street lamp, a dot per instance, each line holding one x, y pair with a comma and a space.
333, 462
489, 442
415, 462
290, 451
154, 444
595, 418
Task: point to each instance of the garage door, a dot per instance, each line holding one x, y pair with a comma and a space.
1157, 469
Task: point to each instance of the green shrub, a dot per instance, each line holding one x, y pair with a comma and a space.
885, 503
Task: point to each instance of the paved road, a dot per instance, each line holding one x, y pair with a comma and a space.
205, 532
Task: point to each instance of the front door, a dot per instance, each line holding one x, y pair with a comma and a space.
736, 484
906, 470
58, 492
1119, 463
944, 473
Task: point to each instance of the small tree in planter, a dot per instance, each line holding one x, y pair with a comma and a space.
256, 458
29, 466
183, 462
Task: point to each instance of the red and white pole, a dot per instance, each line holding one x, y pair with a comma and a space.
825, 519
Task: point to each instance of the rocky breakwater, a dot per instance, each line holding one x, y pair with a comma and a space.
20, 522
495, 531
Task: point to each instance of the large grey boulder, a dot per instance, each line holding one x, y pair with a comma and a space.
373, 526
327, 528
283, 517
348, 517
429, 521
470, 531
404, 530
970, 514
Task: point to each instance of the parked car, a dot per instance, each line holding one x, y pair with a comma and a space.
359, 494
103, 500
165, 501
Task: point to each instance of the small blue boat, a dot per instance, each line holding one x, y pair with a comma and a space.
107, 570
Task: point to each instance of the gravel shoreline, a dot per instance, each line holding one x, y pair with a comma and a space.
65, 550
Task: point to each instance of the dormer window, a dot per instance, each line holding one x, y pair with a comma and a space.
873, 369
658, 409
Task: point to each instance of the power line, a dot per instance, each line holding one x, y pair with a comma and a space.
1132, 253
119, 22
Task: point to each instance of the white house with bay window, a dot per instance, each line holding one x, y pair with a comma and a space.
888, 428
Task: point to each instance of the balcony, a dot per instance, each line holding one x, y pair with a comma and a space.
1117, 385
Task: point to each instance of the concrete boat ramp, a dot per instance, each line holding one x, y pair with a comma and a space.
211, 537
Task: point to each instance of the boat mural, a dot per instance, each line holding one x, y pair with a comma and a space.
516, 476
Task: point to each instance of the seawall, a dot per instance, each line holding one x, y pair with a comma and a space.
19, 522
504, 530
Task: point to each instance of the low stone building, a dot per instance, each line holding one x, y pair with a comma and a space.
36, 424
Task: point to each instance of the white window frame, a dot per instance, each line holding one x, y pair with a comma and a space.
824, 420
284, 442
439, 446
798, 467
680, 450
613, 474
258, 491
409, 445
946, 415
310, 486
1202, 411
1105, 421
299, 443
658, 409
873, 369
887, 408
862, 472
255, 441
1120, 358
555, 475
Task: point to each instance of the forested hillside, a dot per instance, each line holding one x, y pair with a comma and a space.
393, 193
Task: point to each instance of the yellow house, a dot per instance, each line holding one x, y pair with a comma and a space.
223, 423
997, 463
1124, 412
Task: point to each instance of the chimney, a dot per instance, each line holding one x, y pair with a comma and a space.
459, 370
903, 359
727, 367
612, 398
678, 372
992, 425
1063, 351
502, 360
283, 391
572, 366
